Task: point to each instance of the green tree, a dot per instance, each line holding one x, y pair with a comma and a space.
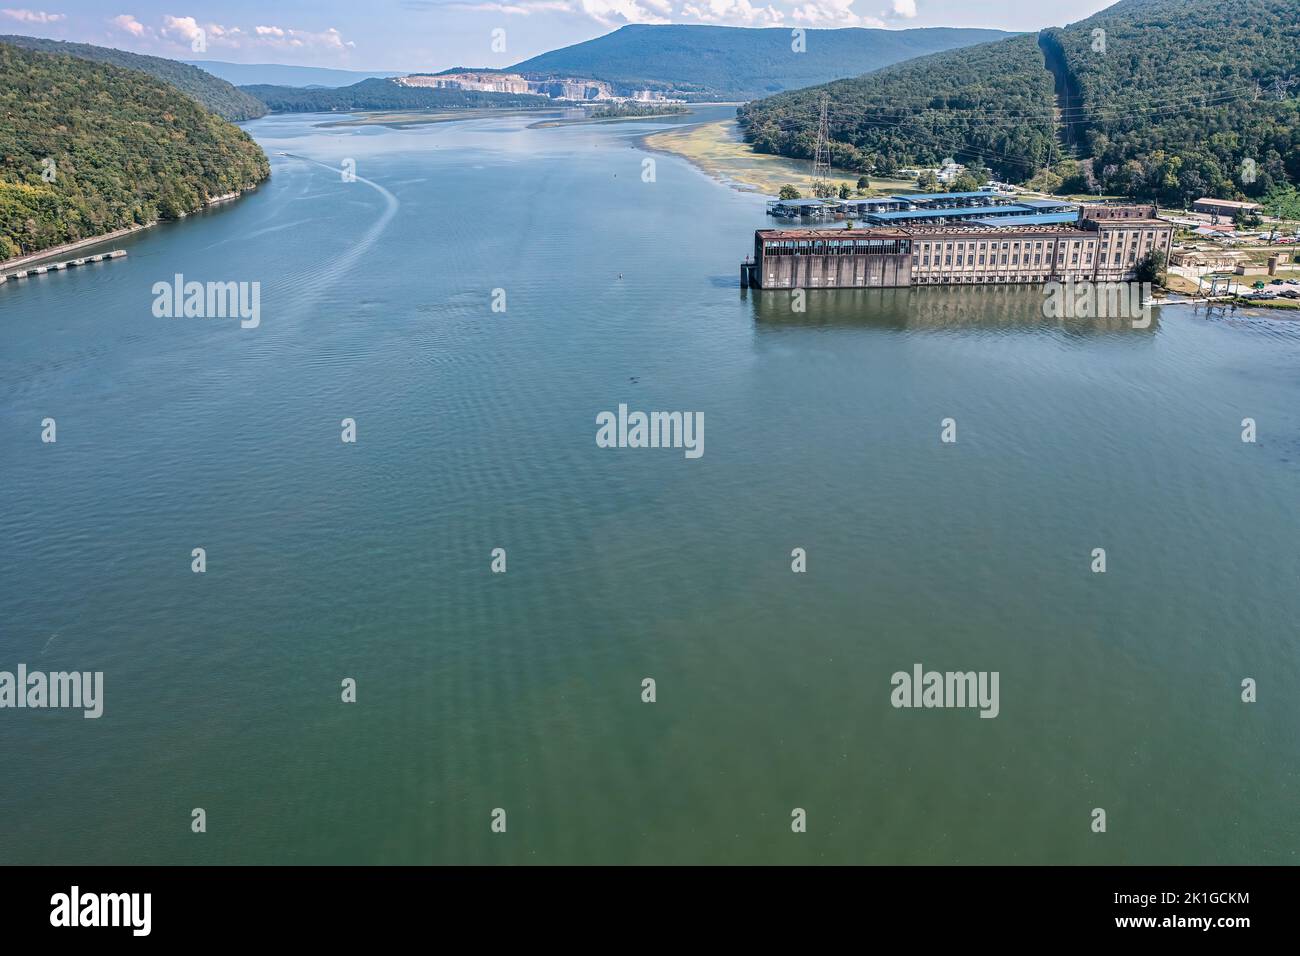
1282, 201
1151, 267
1073, 175
1045, 181
824, 189
845, 191
789, 192
966, 182
128, 149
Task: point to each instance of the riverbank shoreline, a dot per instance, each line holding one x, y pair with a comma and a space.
717, 149
403, 119
53, 251
595, 120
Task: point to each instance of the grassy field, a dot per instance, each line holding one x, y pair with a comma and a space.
1291, 304
718, 149
1261, 254
1177, 283
1090, 197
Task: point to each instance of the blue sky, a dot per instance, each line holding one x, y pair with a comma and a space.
436, 34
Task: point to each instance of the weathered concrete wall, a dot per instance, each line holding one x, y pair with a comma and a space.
835, 272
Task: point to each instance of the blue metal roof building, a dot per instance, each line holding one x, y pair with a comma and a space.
904, 215
1045, 204
964, 213
931, 197
982, 208
1032, 219
805, 203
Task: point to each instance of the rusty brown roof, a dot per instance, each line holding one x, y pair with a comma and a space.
831, 234
1119, 223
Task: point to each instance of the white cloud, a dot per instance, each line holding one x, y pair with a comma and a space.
186, 29
33, 16
620, 11
834, 13
218, 32
750, 13
732, 12
129, 24
525, 8
287, 38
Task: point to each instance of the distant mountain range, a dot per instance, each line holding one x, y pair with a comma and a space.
681, 62
279, 74
210, 91
1157, 99
685, 62
384, 94
708, 62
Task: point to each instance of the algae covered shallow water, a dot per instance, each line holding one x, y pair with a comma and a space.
476, 430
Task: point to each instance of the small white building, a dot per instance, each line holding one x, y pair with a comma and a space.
949, 171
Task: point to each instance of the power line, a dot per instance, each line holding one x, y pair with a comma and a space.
1219, 99
1050, 119
1174, 104
1168, 101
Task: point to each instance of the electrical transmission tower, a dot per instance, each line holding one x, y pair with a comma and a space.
822, 154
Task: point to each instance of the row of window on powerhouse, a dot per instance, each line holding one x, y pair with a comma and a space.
969, 259
966, 252
1037, 245
999, 279
832, 247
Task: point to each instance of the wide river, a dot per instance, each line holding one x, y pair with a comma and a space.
476, 430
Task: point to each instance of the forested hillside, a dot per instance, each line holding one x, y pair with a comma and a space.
1164, 99
88, 148
990, 103
216, 94
282, 74
1182, 99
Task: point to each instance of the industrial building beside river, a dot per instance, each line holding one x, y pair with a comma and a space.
959, 238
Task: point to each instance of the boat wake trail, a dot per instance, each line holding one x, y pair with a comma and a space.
344, 262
